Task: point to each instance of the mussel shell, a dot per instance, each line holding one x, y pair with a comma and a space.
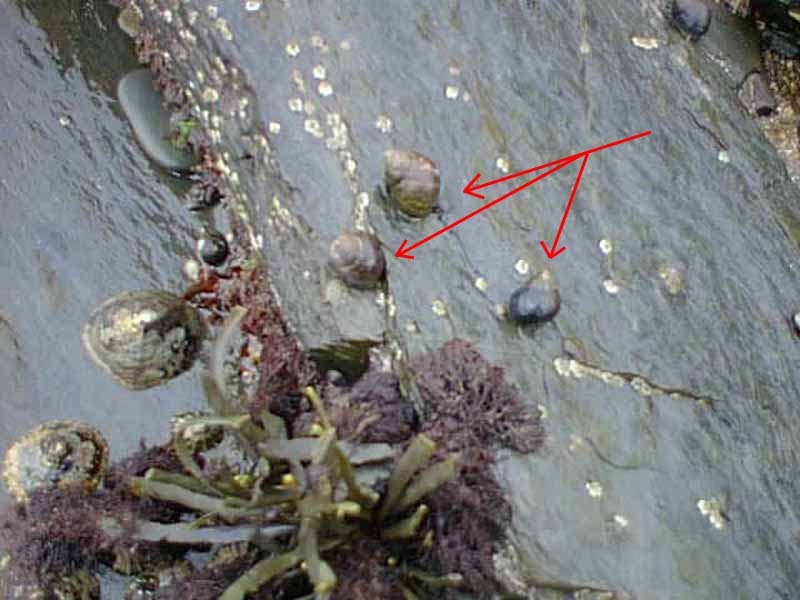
358, 259
412, 181
55, 454
143, 339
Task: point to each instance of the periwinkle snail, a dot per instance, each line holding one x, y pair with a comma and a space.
357, 257
535, 302
143, 339
412, 181
55, 454
213, 248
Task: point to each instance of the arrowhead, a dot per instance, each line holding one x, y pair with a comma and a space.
402, 253
552, 254
469, 187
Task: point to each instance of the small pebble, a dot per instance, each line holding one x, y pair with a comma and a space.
213, 249
756, 95
536, 302
692, 17
150, 122
336, 378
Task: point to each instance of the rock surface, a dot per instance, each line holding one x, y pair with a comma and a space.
661, 402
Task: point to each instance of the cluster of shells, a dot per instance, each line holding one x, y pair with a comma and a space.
412, 184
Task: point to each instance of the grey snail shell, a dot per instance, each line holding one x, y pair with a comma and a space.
536, 302
357, 258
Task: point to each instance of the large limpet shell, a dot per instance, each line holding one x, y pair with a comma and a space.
55, 454
143, 339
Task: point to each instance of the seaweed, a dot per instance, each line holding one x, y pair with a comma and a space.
471, 408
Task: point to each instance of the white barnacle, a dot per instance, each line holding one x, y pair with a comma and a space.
224, 30
319, 72
292, 49
325, 88
502, 164
451, 92
313, 127
210, 95
595, 489
383, 123
481, 284
522, 267
297, 79
712, 509
606, 246
296, 104
646, 43
611, 286
439, 309
319, 43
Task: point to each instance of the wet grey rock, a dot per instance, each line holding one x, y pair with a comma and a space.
756, 95
669, 401
150, 122
692, 17
535, 302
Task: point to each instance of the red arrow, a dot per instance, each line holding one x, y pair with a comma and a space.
402, 251
551, 254
470, 189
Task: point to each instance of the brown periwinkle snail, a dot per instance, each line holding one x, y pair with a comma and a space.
143, 339
357, 257
55, 454
412, 181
